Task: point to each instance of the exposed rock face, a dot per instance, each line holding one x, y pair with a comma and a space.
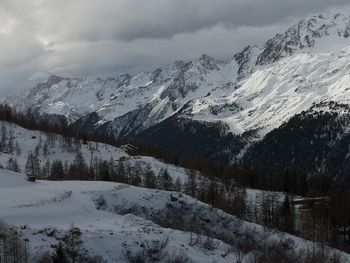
304, 35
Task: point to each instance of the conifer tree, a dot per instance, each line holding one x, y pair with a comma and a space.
10, 144
79, 169
13, 165
120, 172
150, 180
45, 171
59, 255
57, 171
178, 185
3, 137
191, 184
32, 167
104, 171
18, 149
165, 181
287, 215
73, 244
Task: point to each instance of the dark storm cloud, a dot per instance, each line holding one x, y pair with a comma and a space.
132, 19
166, 18
109, 37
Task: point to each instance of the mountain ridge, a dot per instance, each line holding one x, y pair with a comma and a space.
254, 92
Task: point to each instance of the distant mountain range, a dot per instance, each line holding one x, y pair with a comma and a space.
282, 105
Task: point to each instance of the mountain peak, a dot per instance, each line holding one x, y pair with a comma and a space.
246, 60
53, 79
305, 35
206, 58
208, 62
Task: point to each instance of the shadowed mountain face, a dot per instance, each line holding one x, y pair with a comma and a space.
315, 141
283, 104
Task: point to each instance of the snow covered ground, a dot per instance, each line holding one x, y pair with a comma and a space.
58, 205
115, 218
28, 140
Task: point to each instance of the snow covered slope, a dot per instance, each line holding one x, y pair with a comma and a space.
146, 98
275, 93
24, 141
53, 206
315, 34
118, 219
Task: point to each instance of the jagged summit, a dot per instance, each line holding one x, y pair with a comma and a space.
53, 79
304, 35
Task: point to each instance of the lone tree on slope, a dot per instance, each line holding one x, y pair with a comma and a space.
32, 167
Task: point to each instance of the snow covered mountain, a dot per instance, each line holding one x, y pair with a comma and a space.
306, 36
132, 103
226, 106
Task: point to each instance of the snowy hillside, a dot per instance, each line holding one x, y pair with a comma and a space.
54, 206
19, 142
117, 220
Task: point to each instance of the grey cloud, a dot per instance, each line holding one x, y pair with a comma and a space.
133, 19
109, 37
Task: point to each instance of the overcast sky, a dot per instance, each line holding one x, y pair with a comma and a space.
81, 38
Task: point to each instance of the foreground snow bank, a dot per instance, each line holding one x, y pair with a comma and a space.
45, 210
117, 220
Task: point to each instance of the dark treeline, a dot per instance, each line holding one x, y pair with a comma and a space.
291, 181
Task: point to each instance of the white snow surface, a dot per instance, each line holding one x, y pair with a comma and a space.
57, 205
121, 224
